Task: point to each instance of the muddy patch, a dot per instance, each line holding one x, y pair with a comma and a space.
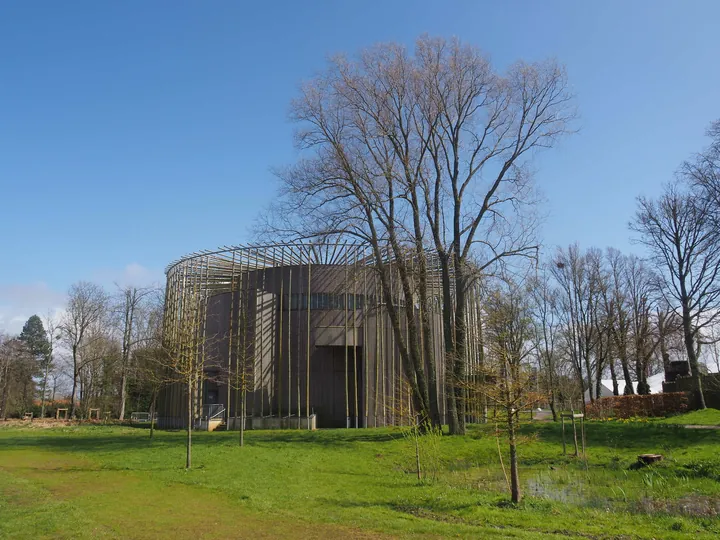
690, 506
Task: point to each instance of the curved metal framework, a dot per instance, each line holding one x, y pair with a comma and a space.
286, 333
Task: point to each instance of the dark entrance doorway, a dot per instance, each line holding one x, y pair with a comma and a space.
327, 386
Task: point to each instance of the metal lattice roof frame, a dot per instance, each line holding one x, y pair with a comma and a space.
214, 269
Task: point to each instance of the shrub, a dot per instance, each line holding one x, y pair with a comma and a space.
649, 405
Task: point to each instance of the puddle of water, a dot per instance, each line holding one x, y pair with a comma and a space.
544, 488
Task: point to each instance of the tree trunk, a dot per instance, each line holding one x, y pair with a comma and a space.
692, 357
662, 329
588, 370
416, 436
449, 338
409, 346
553, 405
123, 394
459, 352
642, 385
131, 299
242, 418
553, 396
515, 494
44, 388
3, 402
628, 390
434, 402
425, 320
152, 414
75, 382
188, 457
616, 390
601, 357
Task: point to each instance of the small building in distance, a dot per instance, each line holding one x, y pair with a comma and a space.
606, 386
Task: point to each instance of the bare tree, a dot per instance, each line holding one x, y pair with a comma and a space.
715, 348
151, 357
703, 173
98, 368
479, 126
679, 230
87, 304
182, 358
128, 305
361, 182
600, 347
644, 333
616, 304
510, 346
546, 321
17, 367
52, 329
582, 289
399, 143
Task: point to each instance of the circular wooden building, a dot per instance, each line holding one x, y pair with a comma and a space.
291, 335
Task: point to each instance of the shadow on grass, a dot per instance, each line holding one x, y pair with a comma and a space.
435, 512
89, 440
601, 436
633, 435
328, 437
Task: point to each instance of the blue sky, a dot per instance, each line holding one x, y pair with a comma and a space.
134, 132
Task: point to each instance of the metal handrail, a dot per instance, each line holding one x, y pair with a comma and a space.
213, 410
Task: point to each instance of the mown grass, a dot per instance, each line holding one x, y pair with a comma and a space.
95, 481
705, 417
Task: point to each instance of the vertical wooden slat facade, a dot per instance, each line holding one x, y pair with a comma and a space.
292, 330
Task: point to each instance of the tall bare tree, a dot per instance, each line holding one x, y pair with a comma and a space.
679, 230
52, 329
478, 128
150, 356
98, 368
546, 321
642, 322
128, 306
703, 172
359, 123
17, 367
582, 289
86, 307
410, 152
617, 305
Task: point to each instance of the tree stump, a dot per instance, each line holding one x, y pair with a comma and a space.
647, 459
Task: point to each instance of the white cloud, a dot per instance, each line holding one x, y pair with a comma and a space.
18, 301
21, 300
133, 274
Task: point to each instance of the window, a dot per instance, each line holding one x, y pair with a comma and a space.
325, 301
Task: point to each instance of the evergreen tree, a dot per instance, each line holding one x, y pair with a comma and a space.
34, 337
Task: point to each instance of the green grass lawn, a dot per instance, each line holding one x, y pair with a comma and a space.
113, 482
705, 417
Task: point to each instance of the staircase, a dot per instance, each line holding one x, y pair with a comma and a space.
213, 417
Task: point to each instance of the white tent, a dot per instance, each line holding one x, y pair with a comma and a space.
606, 386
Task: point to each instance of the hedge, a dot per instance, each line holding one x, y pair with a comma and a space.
638, 405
